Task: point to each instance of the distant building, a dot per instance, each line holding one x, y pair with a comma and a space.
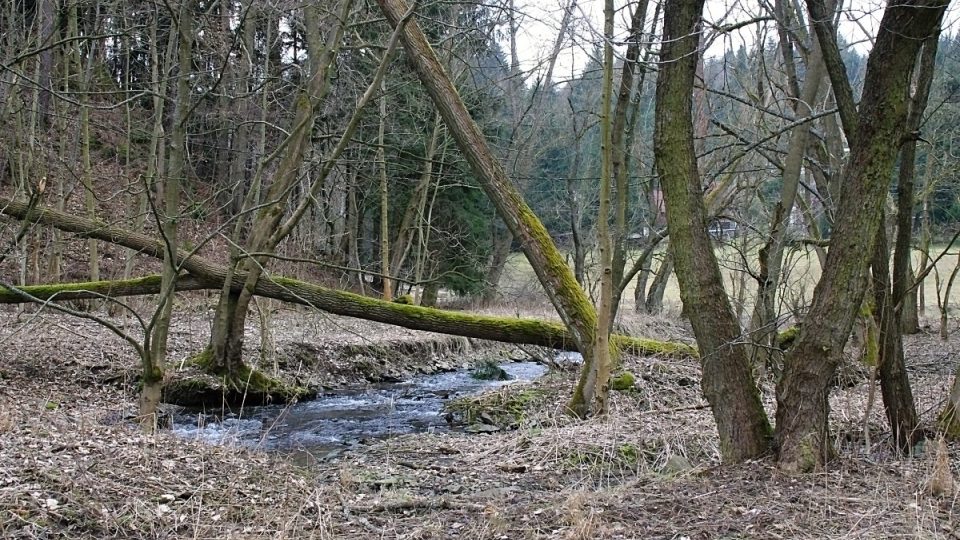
723, 229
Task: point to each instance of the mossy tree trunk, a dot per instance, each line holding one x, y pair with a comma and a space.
727, 381
503, 329
565, 293
875, 137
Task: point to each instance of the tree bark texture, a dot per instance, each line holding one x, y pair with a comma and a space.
727, 380
803, 391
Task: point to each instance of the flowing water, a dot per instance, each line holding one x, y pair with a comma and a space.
338, 419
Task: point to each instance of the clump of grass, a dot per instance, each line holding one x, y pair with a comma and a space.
508, 407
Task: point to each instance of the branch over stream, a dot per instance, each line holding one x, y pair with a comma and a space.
206, 274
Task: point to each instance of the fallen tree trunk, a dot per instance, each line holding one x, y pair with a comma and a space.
504, 329
87, 290
207, 274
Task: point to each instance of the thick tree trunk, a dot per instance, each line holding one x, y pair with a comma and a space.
727, 381
803, 391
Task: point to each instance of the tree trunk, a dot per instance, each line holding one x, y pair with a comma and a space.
727, 381
210, 276
600, 378
418, 201
499, 254
155, 357
267, 229
570, 301
803, 391
892, 291
764, 322
904, 296
654, 301
949, 420
894, 383
384, 199
86, 176
621, 141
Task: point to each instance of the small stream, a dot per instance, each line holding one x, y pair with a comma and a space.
342, 418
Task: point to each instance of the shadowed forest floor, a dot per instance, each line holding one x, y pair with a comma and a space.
73, 465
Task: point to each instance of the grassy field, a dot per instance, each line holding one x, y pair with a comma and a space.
802, 270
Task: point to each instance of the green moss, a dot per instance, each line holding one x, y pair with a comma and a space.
506, 408
406, 299
629, 453
948, 422
623, 382
787, 338
51, 290
246, 383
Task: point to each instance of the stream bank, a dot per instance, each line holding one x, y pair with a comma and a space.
306, 369
343, 418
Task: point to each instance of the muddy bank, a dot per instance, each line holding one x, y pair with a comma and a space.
305, 369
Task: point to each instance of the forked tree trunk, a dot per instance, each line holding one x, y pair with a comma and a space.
803, 391
727, 381
155, 355
225, 353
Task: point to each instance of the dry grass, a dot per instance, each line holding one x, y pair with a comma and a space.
802, 271
72, 465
